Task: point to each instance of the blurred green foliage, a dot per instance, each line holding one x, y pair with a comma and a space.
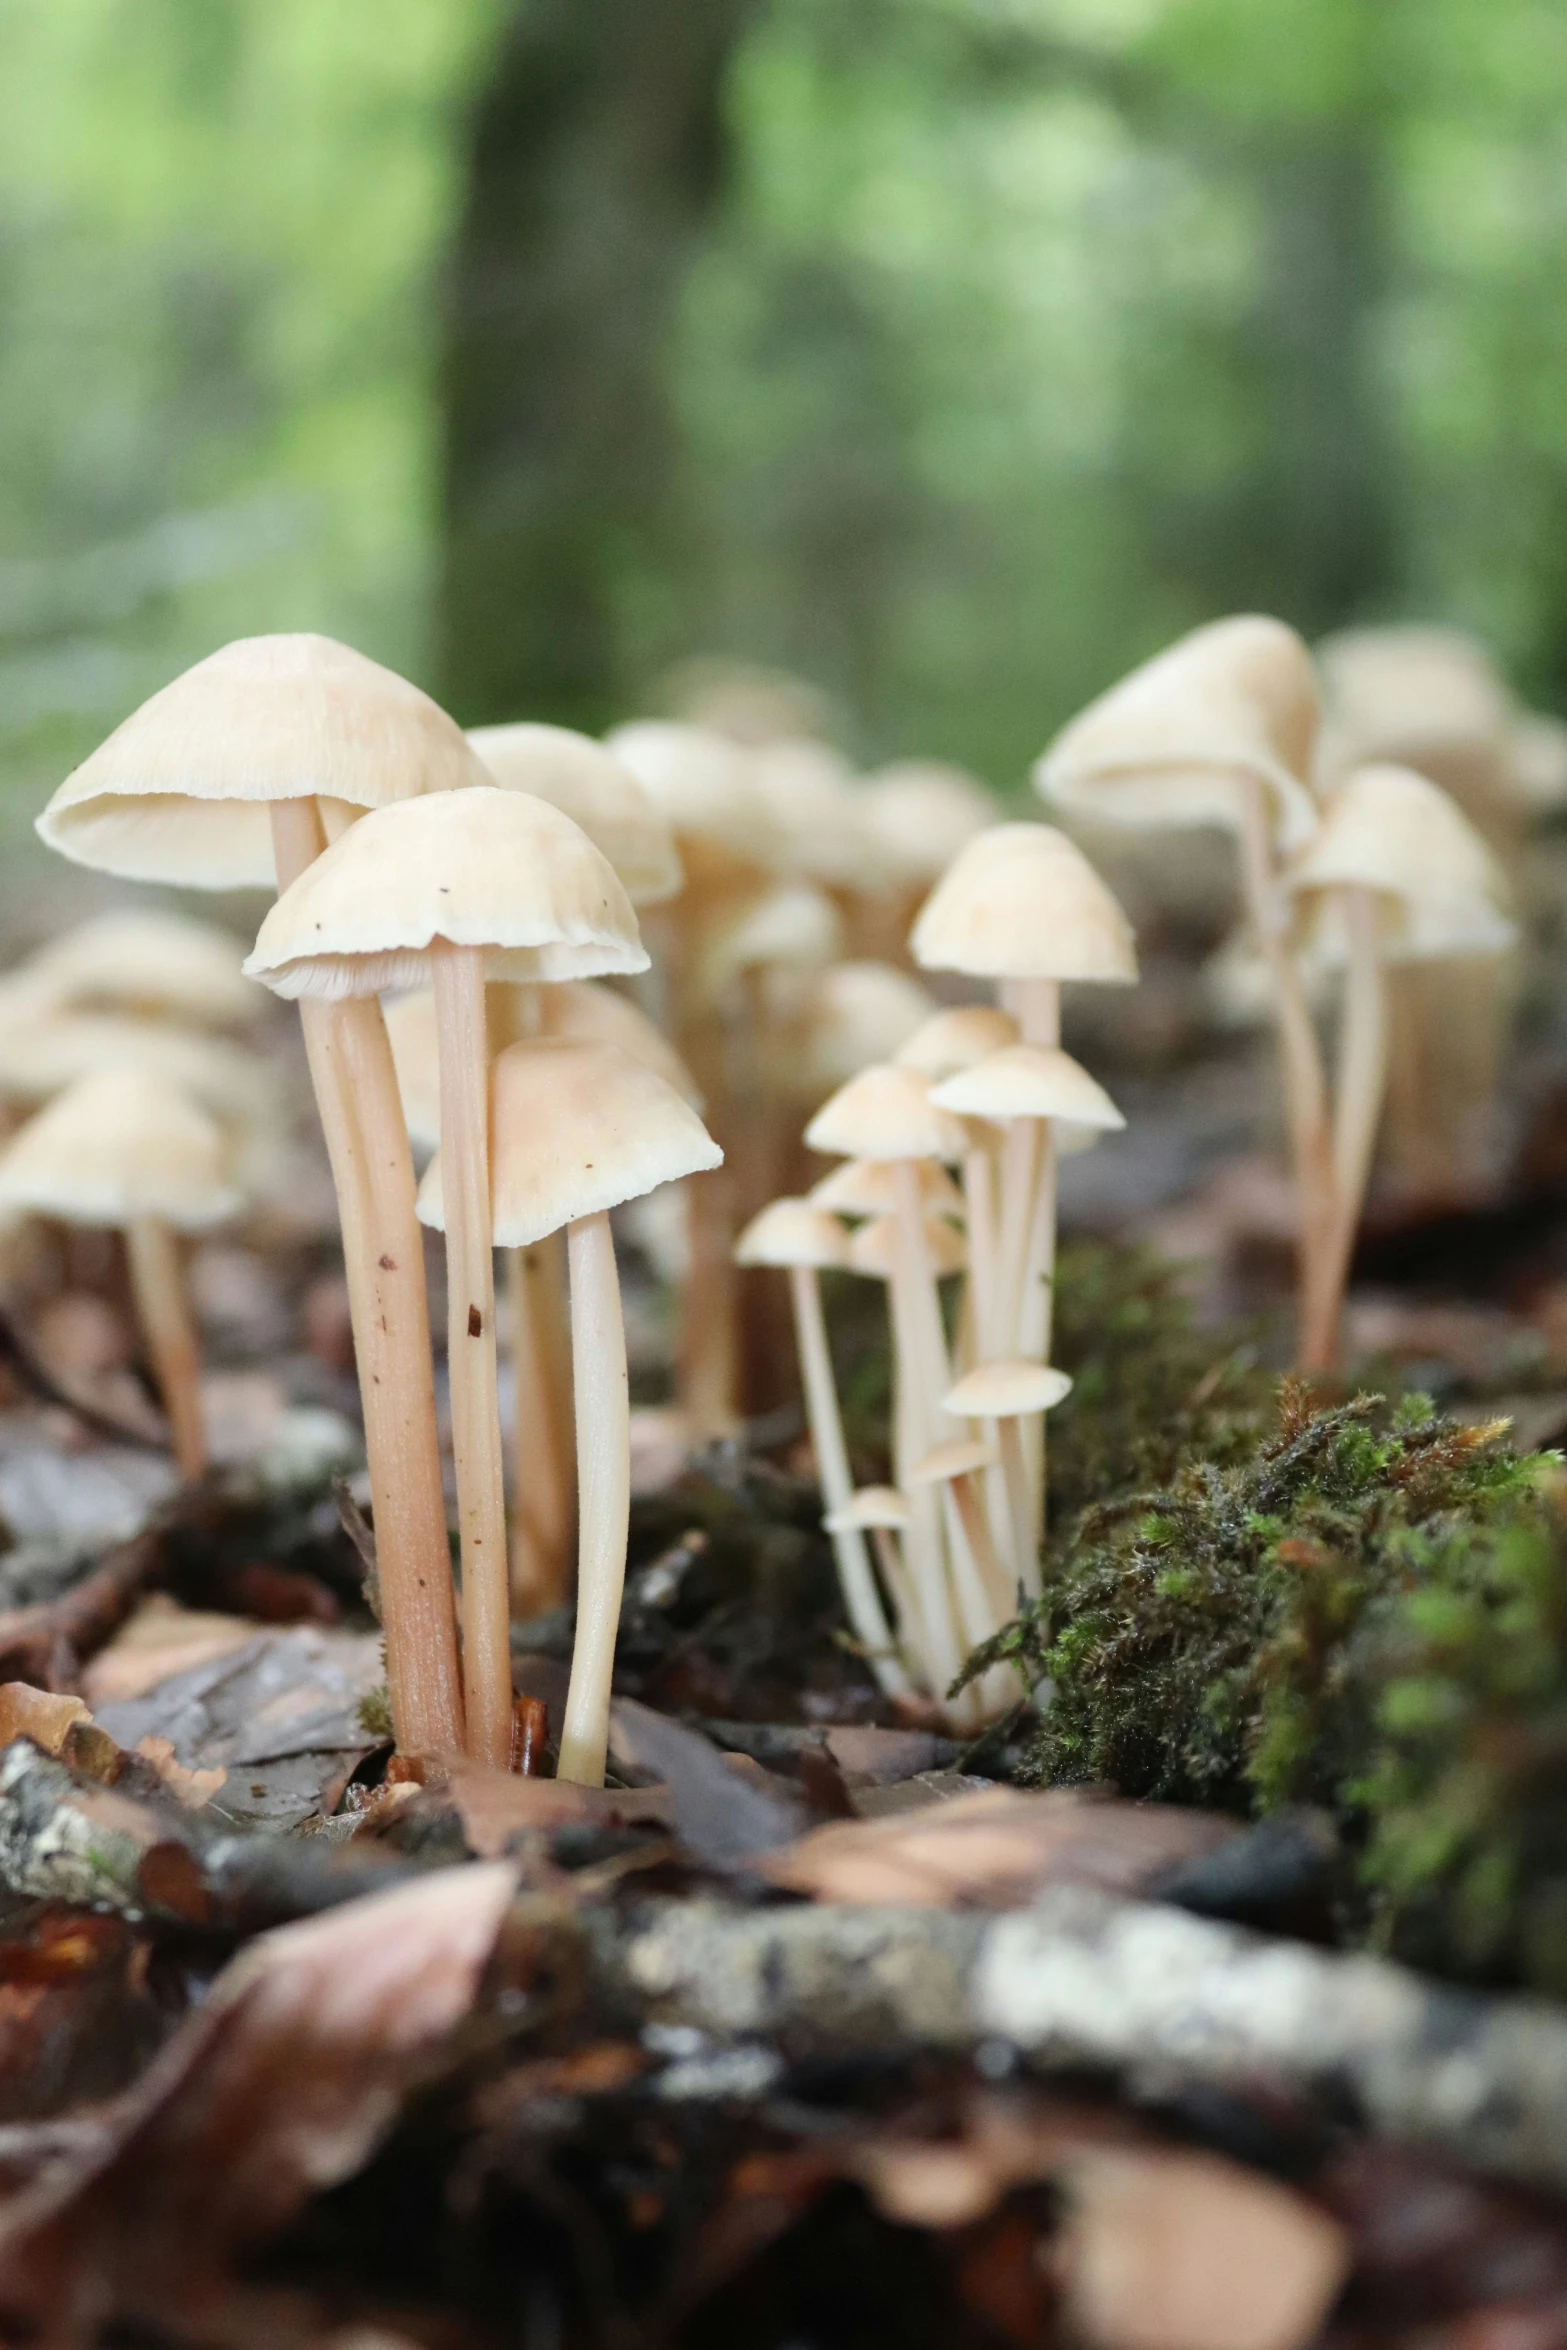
1021, 334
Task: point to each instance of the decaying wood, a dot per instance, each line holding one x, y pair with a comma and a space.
1133, 1988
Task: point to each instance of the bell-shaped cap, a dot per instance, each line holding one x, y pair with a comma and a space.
1176, 741
481, 868
1008, 1389
1387, 829
874, 1248
179, 793
809, 792
871, 1505
954, 1040
962, 1457
1023, 902
597, 791
793, 925
117, 1146
703, 783
869, 1187
589, 1013
921, 812
885, 1113
793, 1232
41, 1056
576, 1127
141, 959
1430, 698
857, 1013
1029, 1081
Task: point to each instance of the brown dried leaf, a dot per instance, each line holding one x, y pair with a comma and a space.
1178, 2251
278, 2088
501, 1810
26, 1712
159, 1640
994, 1850
194, 1788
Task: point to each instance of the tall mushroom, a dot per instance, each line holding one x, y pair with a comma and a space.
128, 1152
578, 1129
457, 886
803, 1240
233, 777
1396, 874
1221, 729
1007, 1393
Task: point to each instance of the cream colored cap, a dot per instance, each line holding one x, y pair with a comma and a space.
590, 1013
703, 783
961, 1458
872, 1505
808, 790
1387, 829
42, 1056
1409, 694
874, 1248
792, 925
576, 1127
122, 1144
597, 791
141, 959
885, 1113
1173, 742
179, 792
950, 1041
858, 1013
869, 1187
483, 868
792, 1232
1023, 902
1009, 1389
1029, 1081
921, 812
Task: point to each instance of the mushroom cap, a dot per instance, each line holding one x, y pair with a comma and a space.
117, 1145
921, 812
960, 1457
180, 790
597, 791
1174, 742
954, 1040
1029, 1081
141, 959
1387, 829
874, 1248
857, 1013
793, 924
1023, 902
41, 1056
576, 1126
589, 1012
1008, 1389
885, 1113
792, 1232
869, 1187
1412, 695
482, 868
872, 1505
808, 790
703, 783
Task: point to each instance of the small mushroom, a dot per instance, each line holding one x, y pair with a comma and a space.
870, 1187
579, 1128
128, 1152
1008, 1392
958, 1465
882, 1512
597, 791
163, 965
802, 1240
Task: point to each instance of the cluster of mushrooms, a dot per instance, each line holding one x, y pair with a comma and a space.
458, 919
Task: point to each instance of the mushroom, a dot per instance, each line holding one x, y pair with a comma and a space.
1221, 729
457, 886
853, 1015
870, 1187
597, 791
882, 1512
947, 1043
958, 1465
1396, 874
234, 776
920, 813
126, 1151
1008, 1392
164, 965
802, 1239
579, 1128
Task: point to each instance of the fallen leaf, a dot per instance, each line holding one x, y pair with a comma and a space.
994, 1850
26, 1712
194, 1788
1178, 2251
278, 2088
159, 1640
501, 1811
719, 1817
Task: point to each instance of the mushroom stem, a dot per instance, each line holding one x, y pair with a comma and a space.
941, 1652
163, 1309
383, 1260
899, 1586
1014, 1467
1019, 1160
832, 1467
598, 1354
926, 1330
707, 1374
1300, 1059
1000, 1589
979, 1202
463, 1045
542, 1498
1362, 1083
